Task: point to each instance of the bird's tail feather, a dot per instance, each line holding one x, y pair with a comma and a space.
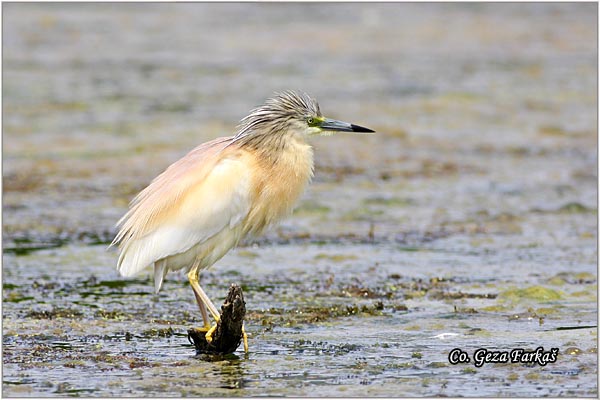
160, 271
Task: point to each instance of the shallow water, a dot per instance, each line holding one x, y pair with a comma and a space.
468, 221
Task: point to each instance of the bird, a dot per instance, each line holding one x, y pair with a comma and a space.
222, 191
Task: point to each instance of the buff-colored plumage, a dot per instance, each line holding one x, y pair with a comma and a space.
223, 190
203, 204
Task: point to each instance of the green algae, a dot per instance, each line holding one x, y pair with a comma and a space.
535, 293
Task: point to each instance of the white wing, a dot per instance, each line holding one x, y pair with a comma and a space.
211, 192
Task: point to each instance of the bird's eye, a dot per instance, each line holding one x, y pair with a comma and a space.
310, 121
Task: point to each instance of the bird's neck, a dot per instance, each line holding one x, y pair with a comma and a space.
281, 175
276, 145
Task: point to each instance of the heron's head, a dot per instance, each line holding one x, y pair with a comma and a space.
293, 113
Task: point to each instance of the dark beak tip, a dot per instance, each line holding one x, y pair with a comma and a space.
357, 128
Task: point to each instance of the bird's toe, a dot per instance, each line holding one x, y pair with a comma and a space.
210, 332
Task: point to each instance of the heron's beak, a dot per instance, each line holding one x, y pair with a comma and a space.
339, 126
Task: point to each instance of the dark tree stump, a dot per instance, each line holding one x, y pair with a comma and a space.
228, 334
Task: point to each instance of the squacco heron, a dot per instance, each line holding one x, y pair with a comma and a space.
222, 191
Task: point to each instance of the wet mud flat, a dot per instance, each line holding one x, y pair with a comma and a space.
354, 326
469, 221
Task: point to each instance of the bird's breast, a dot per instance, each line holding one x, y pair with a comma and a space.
277, 184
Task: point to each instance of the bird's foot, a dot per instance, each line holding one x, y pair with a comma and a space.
228, 333
201, 330
210, 331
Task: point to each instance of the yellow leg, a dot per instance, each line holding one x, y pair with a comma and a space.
204, 303
201, 296
203, 312
245, 339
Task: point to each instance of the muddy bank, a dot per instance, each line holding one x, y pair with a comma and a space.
468, 221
